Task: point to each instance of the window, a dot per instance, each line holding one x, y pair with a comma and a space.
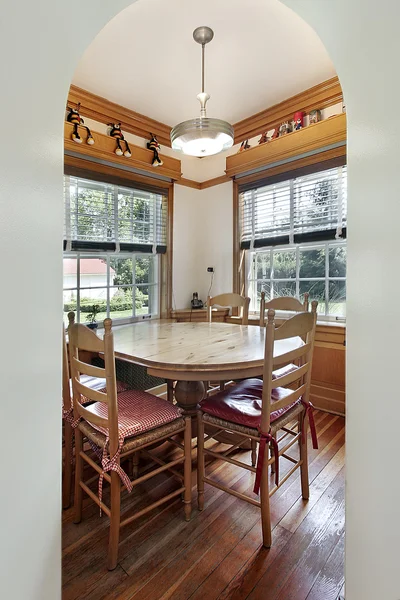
113, 240
293, 235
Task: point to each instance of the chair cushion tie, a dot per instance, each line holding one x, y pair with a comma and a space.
113, 464
264, 438
309, 412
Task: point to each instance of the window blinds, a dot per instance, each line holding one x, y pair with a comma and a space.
102, 216
308, 208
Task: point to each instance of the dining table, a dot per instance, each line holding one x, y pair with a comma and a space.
193, 353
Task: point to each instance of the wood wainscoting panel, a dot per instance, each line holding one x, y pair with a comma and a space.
328, 385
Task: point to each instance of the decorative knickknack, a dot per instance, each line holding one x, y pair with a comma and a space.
91, 317
73, 116
315, 116
285, 128
298, 119
114, 130
155, 147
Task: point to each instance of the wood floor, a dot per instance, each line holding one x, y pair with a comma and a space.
218, 554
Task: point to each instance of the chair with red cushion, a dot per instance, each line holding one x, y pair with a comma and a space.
117, 426
95, 383
258, 409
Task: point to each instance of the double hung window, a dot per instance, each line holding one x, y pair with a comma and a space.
293, 232
113, 239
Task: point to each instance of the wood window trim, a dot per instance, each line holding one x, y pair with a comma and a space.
90, 170
239, 263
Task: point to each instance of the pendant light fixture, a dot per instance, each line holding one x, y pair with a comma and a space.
202, 136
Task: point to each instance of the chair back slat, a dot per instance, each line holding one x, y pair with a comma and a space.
229, 300
284, 303
82, 338
295, 375
91, 394
298, 325
289, 357
90, 417
297, 382
87, 369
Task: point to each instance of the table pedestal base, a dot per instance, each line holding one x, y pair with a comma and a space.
188, 394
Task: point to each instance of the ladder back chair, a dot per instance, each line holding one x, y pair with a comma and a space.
284, 303
258, 409
95, 383
230, 300
117, 426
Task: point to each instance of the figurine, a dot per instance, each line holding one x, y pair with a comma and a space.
315, 116
285, 128
114, 130
274, 134
263, 138
155, 146
75, 118
244, 145
298, 119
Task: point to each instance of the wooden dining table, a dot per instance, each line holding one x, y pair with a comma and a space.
192, 353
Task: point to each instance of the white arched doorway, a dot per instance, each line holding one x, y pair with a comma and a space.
41, 45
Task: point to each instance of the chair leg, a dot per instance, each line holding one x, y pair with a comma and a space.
305, 488
222, 386
265, 508
187, 472
115, 518
78, 475
253, 452
170, 390
200, 460
67, 475
135, 465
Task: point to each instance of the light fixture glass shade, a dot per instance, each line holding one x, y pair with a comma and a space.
202, 136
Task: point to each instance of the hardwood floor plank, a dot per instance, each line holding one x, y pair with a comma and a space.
218, 555
330, 581
301, 508
248, 556
293, 573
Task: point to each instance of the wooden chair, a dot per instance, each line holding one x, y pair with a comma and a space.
95, 383
117, 426
282, 398
284, 303
231, 300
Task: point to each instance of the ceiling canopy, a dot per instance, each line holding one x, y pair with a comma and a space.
145, 58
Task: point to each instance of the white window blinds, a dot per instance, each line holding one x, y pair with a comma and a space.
308, 208
102, 216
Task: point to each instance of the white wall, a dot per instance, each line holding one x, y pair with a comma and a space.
363, 41
41, 53
202, 238
40, 44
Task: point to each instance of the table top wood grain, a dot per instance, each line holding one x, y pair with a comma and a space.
196, 351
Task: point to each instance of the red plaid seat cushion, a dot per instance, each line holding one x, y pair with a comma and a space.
138, 412
241, 403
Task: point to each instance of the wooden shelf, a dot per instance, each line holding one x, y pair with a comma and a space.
314, 137
104, 147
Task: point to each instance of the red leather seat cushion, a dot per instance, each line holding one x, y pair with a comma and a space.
98, 384
241, 403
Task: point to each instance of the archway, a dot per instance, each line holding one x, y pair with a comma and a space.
362, 40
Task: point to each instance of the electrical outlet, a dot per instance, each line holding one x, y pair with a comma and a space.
210, 269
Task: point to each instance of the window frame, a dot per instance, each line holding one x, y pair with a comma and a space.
241, 257
115, 176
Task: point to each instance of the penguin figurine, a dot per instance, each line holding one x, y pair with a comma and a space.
114, 131
155, 146
73, 116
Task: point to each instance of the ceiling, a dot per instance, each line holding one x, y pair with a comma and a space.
146, 59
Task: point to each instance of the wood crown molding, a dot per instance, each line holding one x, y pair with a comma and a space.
314, 137
104, 147
320, 96
202, 185
102, 110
